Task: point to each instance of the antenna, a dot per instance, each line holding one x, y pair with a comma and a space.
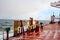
53, 14
59, 14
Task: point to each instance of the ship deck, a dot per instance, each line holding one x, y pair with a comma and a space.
50, 32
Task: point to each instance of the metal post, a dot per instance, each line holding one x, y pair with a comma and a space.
3, 34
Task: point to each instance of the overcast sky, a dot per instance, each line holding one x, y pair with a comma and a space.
23, 9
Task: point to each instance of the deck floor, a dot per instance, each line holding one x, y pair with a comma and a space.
50, 32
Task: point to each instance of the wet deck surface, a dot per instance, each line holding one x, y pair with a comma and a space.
50, 32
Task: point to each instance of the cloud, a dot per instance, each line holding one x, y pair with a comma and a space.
23, 9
